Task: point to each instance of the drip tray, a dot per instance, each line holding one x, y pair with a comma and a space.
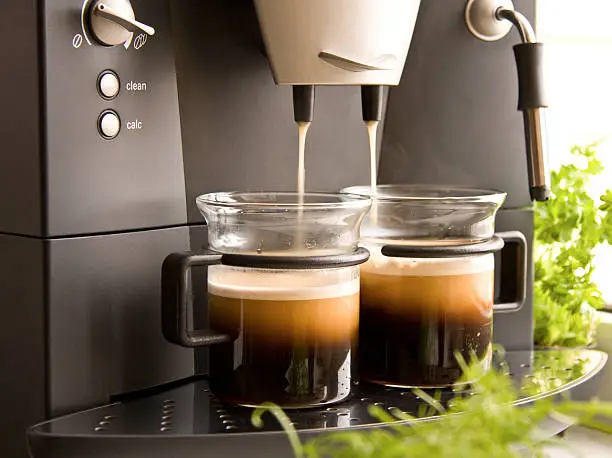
190, 421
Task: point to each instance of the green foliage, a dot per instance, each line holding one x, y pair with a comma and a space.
567, 229
553, 369
480, 426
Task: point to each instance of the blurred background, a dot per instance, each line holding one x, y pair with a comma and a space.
579, 38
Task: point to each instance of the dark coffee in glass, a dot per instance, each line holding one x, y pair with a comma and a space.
416, 314
292, 335
427, 289
283, 296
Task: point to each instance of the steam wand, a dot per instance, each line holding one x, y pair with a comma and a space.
532, 100
491, 20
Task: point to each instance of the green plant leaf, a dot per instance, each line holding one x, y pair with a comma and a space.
483, 425
567, 230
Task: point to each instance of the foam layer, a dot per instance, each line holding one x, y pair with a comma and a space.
413, 267
282, 285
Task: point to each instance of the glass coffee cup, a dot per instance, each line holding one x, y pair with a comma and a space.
283, 296
427, 290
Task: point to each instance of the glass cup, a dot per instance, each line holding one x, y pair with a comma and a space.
283, 296
427, 290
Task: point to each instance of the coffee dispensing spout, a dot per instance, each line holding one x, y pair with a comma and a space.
303, 103
491, 20
372, 103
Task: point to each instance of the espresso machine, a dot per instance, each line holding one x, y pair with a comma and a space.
118, 113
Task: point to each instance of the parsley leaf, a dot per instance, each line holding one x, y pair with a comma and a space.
567, 229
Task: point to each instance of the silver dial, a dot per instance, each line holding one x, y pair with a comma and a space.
113, 22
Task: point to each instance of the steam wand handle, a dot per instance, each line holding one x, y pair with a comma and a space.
532, 101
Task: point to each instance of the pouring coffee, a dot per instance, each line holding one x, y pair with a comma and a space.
283, 296
427, 291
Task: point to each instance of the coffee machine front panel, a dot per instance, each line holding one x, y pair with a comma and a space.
104, 337
113, 147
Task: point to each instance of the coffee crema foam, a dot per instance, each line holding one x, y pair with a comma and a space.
273, 285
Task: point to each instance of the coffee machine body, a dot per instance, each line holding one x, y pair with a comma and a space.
341, 42
99, 186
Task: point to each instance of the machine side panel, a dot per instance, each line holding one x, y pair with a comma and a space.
237, 125
104, 331
136, 180
454, 118
514, 330
20, 130
22, 341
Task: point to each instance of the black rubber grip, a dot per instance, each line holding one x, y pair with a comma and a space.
530, 66
176, 300
513, 272
372, 102
540, 193
354, 258
303, 103
495, 243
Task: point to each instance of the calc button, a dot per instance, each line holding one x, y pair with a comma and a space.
109, 124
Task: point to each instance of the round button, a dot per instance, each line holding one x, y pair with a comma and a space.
108, 84
109, 124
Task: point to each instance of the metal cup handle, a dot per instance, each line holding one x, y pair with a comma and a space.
513, 272
176, 302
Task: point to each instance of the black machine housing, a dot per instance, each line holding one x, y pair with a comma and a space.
85, 222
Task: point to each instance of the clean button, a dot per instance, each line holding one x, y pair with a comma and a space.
109, 124
108, 84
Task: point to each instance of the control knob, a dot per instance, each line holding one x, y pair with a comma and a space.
112, 22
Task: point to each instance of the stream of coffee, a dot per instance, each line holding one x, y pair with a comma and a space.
303, 127
301, 176
372, 127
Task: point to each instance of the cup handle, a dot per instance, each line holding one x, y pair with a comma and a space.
513, 272
176, 270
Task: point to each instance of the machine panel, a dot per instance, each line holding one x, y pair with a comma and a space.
104, 326
23, 373
21, 205
237, 126
135, 180
453, 118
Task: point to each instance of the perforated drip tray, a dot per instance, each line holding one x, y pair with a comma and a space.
190, 416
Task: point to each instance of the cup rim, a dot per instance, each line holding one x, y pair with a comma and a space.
286, 200
428, 193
